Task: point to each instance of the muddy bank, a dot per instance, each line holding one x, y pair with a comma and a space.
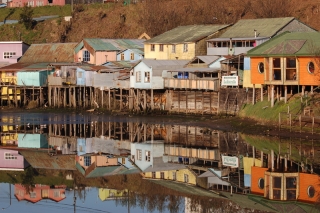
223, 123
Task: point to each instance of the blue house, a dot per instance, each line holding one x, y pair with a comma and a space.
33, 75
130, 55
32, 141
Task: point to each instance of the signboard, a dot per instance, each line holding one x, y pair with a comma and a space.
230, 161
230, 80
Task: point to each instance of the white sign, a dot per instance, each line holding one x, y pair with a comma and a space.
230, 80
230, 161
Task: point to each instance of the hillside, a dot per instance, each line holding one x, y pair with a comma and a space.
115, 20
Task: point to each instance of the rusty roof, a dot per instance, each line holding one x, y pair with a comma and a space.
53, 52
16, 66
42, 160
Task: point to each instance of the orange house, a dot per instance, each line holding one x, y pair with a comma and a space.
287, 64
39, 192
283, 186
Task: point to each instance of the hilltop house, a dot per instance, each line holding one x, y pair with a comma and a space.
99, 51
249, 33
287, 63
183, 42
33, 3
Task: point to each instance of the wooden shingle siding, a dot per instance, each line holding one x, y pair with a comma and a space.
256, 174
307, 180
256, 76
304, 77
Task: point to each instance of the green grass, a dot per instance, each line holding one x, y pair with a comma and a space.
37, 12
262, 110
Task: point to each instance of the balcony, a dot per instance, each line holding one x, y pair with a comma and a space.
195, 84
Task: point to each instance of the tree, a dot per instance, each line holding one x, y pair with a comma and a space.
272, 8
26, 17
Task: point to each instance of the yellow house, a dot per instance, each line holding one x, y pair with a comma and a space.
184, 175
107, 194
183, 42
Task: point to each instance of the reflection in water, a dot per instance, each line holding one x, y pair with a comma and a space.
164, 167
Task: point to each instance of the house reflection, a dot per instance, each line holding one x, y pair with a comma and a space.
39, 192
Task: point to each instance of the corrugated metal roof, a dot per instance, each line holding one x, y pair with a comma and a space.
98, 44
16, 66
207, 59
55, 52
42, 160
266, 27
189, 33
159, 65
289, 44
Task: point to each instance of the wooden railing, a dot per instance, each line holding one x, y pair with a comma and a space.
197, 84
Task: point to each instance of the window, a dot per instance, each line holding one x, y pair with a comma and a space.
174, 176
8, 54
173, 50
147, 77
139, 154
152, 47
162, 175
311, 67
261, 183
123, 161
311, 191
9, 156
87, 160
291, 186
276, 69
138, 76
86, 56
56, 193
132, 56
261, 67
186, 178
33, 195
277, 188
148, 154
79, 74
122, 57
185, 47
161, 47
291, 69
153, 175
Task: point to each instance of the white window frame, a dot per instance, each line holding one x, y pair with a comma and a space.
148, 156
185, 48
9, 156
138, 76
139, 154
86, 56
7, 55
161, 47
173, 48
152, 47
146, 77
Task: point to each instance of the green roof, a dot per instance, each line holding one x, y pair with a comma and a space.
289, 44
266, 27
99, 45
190, 33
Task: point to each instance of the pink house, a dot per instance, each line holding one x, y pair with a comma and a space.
11, 51
99, 51
12, 160
39, 192
35, 3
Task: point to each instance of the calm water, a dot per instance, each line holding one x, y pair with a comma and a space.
97, 163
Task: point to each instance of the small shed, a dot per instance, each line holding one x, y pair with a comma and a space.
32, 141
32, 78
